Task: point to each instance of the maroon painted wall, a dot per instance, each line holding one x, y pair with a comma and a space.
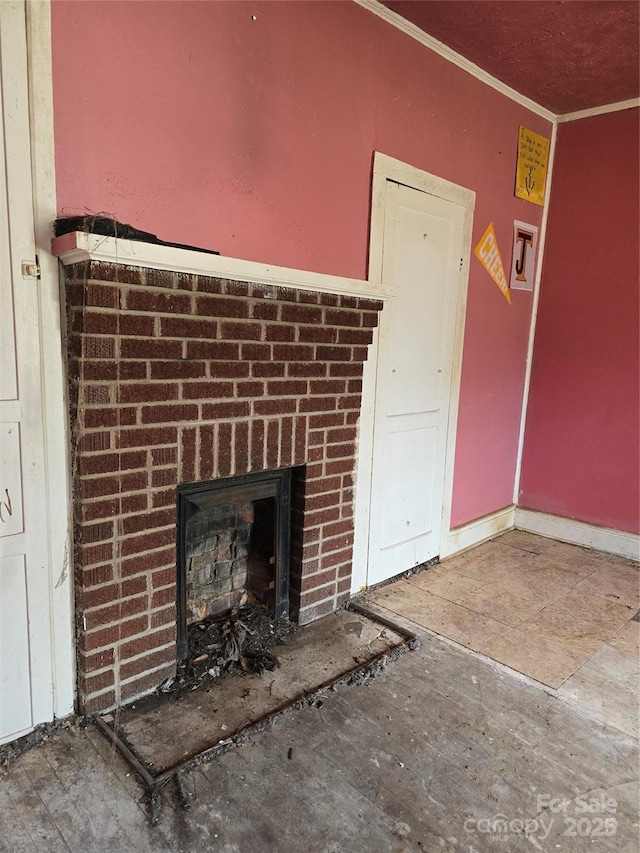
256, 137
581, 443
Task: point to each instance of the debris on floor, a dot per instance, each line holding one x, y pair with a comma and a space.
176, 729
243, 641
10, 751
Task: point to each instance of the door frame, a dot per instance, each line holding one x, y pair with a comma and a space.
385, 169
52, 359
57, 574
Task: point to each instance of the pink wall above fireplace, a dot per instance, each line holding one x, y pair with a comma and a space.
256, 137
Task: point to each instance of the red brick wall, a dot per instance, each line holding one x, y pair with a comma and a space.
177, 378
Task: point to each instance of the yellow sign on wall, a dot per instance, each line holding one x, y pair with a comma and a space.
488, 253
531, 171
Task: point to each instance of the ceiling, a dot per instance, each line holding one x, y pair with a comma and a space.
566, 55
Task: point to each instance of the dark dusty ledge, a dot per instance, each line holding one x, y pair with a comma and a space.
108, 227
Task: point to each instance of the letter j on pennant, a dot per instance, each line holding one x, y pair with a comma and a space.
488, 253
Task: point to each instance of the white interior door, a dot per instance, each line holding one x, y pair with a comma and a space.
422, 255
26, 678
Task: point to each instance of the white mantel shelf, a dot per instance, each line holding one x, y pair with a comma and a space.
79, 246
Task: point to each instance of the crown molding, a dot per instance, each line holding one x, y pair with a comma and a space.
400, 23
441, 49
632, 103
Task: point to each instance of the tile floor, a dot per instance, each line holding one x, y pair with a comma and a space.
560, 614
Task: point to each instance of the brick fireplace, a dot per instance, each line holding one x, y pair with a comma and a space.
179, 378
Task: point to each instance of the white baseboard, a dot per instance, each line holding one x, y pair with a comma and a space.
579, 533
475, 532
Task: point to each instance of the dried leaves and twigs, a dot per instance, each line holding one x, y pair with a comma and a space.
241, 641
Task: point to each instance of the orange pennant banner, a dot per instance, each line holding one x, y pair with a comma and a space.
488, 253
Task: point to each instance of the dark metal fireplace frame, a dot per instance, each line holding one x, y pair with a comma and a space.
192, 497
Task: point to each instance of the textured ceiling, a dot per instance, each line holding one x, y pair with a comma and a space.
566, 56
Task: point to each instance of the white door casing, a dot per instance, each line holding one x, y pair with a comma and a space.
36, 669
421, 242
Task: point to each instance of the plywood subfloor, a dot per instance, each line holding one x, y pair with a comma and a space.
164, 732
560, 614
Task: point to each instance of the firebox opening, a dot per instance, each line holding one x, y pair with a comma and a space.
261, 557
233, 542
